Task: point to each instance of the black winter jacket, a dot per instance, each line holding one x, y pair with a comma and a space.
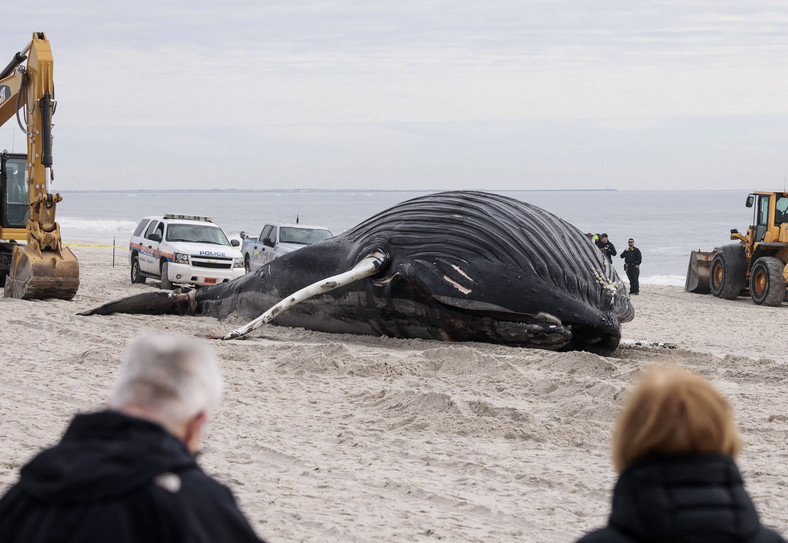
608, 249
121, 479
682, 498
632, 257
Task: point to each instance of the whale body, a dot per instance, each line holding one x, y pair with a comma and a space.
462, 266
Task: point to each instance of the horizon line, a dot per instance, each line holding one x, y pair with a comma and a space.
331, 190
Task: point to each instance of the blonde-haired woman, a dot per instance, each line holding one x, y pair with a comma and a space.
673, 445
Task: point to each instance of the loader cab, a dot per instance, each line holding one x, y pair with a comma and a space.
769, 214
781, 210
14, 208
761, 221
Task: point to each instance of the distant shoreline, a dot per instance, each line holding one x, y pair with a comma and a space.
241, 191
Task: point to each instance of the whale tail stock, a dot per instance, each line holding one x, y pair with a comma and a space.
185, 301
150, 303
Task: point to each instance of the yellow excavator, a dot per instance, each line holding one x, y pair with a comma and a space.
758, 264
42, 267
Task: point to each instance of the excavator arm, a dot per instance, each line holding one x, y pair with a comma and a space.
43, 268
10, 83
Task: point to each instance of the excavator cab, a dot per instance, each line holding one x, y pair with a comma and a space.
14, 209
30, 270
12, 214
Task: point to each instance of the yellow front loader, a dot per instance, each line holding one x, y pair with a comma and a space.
757, 265
41, 267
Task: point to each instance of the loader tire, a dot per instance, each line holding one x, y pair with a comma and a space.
726, 276
767, 284
166, 284
136, 276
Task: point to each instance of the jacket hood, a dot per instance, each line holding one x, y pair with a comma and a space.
684, 498
103, 455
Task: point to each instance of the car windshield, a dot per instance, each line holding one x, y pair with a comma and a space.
304, 236
196, 233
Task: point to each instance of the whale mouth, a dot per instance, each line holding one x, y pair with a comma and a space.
593, 340
546, 334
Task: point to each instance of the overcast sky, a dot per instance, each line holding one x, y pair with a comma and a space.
427, 94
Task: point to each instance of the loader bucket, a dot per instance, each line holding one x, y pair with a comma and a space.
44, 274
698, 272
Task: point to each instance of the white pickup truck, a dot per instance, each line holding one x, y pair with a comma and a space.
183, 249
277, 239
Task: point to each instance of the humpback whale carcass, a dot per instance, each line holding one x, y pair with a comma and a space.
454, 266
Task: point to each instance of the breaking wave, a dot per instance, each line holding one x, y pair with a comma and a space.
95, 230
667, 280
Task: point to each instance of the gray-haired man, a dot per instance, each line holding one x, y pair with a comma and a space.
128, 474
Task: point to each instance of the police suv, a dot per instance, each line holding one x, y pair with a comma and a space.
183, 249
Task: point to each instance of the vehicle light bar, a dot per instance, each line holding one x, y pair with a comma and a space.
187, 217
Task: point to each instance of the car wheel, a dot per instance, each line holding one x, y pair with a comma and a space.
136, 276
767, 284
166, 284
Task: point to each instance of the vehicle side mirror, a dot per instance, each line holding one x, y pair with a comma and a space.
235, 242
750, 200
155, 237
268, 242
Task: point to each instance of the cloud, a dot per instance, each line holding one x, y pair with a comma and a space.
436, 92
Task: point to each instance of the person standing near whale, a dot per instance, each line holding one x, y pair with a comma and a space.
607, 248
632, 259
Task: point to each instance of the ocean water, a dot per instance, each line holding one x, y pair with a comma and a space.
666, 225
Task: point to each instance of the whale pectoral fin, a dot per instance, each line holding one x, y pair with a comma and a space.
477, 310
370, 265
445, 276
465, 286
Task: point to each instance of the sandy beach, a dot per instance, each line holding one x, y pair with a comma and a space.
350, 438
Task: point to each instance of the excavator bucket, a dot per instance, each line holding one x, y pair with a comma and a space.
698, 272
44, 274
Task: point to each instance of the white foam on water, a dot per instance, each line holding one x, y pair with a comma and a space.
666, 280
102, 231
664, 250
97, 225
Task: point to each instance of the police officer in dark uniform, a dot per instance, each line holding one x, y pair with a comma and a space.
607, 248
632, 260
